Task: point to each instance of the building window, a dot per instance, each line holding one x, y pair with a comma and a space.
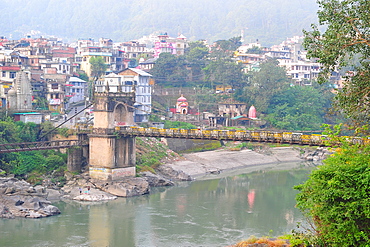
12, 74
4, 73
54, 86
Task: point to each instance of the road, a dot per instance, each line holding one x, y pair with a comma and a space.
71, 123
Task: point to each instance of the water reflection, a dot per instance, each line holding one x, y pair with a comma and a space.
216, 212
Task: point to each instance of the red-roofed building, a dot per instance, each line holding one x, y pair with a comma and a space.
8, 73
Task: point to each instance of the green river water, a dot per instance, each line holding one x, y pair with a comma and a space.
213, 212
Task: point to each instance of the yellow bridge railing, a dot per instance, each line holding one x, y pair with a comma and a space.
233, 135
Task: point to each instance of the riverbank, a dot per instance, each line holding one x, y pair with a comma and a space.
223, 162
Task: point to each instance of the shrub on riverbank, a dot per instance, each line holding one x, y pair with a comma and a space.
150, 153
31, 165
263, 242
336, 198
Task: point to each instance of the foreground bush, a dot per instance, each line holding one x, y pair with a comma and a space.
337, 198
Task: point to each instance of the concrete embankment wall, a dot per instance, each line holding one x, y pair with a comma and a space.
189, 145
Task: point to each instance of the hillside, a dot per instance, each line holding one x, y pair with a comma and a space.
270, 21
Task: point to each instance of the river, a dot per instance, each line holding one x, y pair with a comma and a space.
212, 212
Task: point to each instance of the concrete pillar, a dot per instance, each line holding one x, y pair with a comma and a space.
83, 138
74, 161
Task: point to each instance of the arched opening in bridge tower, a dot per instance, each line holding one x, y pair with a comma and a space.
120, 115
124, 146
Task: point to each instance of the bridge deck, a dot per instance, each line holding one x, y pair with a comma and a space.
227, 135
44, 145
233, 135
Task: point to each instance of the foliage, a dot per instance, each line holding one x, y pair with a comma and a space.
205, 146
28, 162
170, 70
46, 129
178, 124
223, 49
27, 131
98, 67
265, 241
34, 178
149, 154
82, 75
224, 72
336, 197
200, 67
255, 50
24, 163
346, 37
64, 132
197, 58
40, 103
264, 85
299, 108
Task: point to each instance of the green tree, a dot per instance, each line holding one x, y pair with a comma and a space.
263, 85
255, 50
346, 36
225, 48
98, 67
170, 70
197, 58
82, 75
224, 72
299, 108
336, 198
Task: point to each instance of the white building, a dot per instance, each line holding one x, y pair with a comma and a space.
76, 90
129, 80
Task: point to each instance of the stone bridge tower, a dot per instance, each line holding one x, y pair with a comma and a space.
111, 156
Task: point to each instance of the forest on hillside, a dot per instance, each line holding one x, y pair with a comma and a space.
269, 21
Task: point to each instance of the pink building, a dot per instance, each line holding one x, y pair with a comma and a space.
175, 46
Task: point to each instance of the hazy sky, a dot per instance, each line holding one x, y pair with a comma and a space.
122, 20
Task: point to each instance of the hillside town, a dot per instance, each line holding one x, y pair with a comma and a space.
45, 75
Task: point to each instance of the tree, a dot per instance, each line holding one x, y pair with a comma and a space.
346, 37
336, 198
224, 72
98, 67
263, 85
299, 108
170, 70
197, 58
225, 48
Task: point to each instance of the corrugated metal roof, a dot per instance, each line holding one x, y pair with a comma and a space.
76, 79
28, 113
140, 72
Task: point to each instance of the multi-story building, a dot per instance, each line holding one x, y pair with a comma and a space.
128, 80
76, 90
84, 54
7, 76
166, 44
148, 64
55, 93
133, 49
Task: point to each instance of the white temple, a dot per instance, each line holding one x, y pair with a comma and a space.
20, 95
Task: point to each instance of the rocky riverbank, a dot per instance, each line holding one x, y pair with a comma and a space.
20, 199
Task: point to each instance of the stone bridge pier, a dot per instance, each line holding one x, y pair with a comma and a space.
112, 157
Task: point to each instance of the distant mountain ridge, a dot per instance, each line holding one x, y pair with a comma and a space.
269, 21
